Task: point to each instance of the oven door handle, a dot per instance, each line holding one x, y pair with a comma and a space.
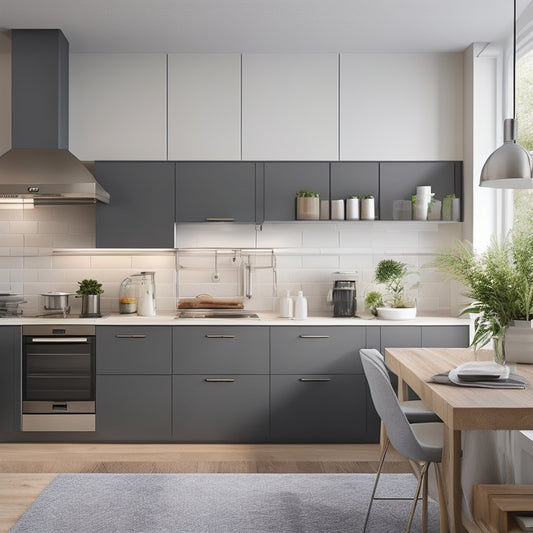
55, 340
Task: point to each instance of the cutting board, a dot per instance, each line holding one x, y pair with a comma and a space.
204, 301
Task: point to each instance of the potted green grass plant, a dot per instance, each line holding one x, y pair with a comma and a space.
394, 303
499, 282
307, 205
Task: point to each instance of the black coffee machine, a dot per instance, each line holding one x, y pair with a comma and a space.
344, 294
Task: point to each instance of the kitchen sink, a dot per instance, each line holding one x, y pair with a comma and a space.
218, 313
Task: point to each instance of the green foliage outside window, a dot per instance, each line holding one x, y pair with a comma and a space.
523, 199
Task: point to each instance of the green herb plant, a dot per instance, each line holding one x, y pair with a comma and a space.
89, 287
307, 194
499, 282
393, 275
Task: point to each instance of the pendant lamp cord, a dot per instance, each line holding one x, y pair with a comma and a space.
514, 60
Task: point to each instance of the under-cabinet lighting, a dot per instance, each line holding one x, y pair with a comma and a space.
16, 203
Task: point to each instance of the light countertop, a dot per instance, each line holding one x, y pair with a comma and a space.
265, 319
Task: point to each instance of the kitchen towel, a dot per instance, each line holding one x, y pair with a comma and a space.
222, 503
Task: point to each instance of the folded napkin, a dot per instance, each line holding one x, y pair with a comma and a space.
481, 371
513, 381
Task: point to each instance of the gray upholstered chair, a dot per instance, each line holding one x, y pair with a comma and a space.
420, 442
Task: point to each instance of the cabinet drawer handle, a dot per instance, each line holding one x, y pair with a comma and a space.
313, 336
219, 380
208, 336
126, 336
220, 219
315, 379
55, 340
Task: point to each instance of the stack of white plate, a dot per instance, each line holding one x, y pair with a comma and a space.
9, 304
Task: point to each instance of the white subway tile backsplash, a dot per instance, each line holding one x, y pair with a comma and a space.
320, 236
306, 256
321, 261
111, 261
11, 239
70, 261
153, 262
23, 226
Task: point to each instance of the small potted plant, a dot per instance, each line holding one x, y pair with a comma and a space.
307, 205
90, 290
368, 211
394, 304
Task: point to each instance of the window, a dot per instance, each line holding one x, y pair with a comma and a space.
523, 199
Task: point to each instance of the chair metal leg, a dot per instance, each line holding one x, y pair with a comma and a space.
425, 502
443, 507
380, 467
423, 473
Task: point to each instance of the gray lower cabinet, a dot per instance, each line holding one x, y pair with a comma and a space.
424, 336
133, 350
218, 191
220, 384
133, 407
140, 213
318, 408
220, 408
284, 179
10, 366
318, 392
133, 383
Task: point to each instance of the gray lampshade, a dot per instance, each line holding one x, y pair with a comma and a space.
510, 166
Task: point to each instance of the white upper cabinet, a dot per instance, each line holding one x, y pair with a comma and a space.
204, 106
401, 106
290, 107
118, 106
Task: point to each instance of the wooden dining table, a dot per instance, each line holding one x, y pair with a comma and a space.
460, 408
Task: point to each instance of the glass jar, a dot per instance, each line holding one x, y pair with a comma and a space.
127, 297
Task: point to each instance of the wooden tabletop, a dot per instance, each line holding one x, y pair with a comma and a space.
463, 408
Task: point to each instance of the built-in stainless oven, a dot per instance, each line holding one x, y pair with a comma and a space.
58, 378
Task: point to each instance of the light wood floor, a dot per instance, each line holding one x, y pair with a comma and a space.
27, 468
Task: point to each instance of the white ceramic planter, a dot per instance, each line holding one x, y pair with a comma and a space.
367, 209
308, 208
518, 342
352, 209
396, 313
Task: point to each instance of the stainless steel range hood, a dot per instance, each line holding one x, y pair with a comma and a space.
40, 166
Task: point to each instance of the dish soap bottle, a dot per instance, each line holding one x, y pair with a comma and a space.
300, 307
285, 306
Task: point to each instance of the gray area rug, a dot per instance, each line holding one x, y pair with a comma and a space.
221, 503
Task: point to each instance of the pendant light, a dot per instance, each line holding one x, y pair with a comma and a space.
509, 167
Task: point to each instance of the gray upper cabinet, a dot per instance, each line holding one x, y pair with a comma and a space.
398, 181
141, 210
284, 180
218, 191
355, 178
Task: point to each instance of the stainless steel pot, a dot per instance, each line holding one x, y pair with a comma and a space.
56, 301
